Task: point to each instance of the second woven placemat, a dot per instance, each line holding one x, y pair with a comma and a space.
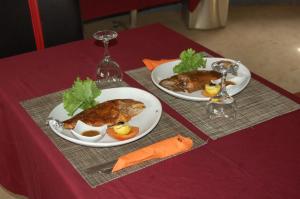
256, 103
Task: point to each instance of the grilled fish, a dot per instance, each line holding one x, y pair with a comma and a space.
190, 81
107, 113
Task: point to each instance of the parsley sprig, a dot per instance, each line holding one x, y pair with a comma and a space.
190, 60
81, 95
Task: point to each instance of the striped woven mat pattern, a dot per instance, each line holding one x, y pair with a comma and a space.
83, 157
255, 104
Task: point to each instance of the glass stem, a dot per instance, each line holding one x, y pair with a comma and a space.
106, 53
223, 85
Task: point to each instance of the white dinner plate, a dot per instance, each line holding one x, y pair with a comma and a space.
165, 70
146, 120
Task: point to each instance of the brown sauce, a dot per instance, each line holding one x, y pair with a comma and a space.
90, 133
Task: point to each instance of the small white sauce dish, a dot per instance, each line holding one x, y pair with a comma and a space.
82, 127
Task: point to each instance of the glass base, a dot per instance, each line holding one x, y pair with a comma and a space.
108, 71
108, 84
225, 108
108, 80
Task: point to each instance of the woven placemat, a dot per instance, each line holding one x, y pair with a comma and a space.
255, 104
82, 157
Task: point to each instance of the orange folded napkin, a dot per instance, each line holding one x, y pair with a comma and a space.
161, 149
151, 64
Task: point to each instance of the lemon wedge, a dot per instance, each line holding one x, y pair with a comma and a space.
215, 100
212, 89
122, 129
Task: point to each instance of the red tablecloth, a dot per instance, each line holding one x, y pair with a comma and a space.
259, 162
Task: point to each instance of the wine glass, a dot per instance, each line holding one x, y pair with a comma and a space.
223, 105
107, 70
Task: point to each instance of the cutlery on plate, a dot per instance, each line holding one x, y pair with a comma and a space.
55, 123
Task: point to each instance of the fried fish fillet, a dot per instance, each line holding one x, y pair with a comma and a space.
107, 113
190, 81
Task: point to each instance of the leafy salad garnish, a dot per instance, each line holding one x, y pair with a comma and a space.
81, 95
190, 60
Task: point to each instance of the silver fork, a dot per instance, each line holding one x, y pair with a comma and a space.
101, 168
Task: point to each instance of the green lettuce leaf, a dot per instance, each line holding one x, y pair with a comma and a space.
190, 60
81, 95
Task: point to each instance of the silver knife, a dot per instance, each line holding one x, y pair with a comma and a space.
101, 168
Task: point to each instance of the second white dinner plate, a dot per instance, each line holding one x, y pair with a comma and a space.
165, 70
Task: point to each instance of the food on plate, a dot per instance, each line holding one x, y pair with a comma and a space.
122, 128
211, 89
190, 81
81, 95
122, 131
190, 60
110, 113
90, 133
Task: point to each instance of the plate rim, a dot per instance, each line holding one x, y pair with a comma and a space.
192, 98
158, 110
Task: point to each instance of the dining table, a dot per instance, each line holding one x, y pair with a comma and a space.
256, 157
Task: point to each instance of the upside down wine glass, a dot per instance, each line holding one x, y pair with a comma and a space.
107, 70
222, 105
